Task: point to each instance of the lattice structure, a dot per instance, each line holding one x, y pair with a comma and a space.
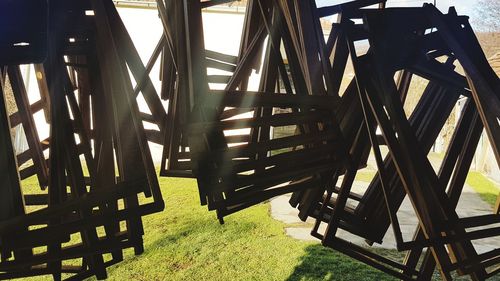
95, 175
403, 43
424, 42
97, 179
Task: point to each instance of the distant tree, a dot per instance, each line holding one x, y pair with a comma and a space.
487, 15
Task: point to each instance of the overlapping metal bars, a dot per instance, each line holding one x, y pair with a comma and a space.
305, 127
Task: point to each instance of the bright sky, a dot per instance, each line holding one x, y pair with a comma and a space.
464, 7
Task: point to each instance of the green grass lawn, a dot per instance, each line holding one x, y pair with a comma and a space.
487, 190
186, 242
365, 175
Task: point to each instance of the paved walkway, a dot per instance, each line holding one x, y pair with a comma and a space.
470, 204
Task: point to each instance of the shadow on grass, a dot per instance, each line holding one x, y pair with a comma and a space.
320, 263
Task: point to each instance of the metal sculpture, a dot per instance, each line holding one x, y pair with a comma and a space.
95, 174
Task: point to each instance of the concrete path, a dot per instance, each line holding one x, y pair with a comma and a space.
470, 204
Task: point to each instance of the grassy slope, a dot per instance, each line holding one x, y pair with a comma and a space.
186, 242
486, 189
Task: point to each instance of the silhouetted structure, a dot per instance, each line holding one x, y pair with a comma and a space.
98, 179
